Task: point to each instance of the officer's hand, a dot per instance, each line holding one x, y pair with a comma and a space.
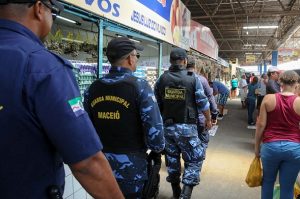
208, 124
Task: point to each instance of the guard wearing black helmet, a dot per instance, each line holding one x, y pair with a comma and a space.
42, 120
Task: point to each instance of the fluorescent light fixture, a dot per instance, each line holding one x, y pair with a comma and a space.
129, 37
256, 45
152, 46
66, 19
253, 53
137, 41
72, 40
259, 27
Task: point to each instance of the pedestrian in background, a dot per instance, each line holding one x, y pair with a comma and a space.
208, 91
42, 120
223, 92
125, 114
251, 99
277, 138
262, 86
234, 86
273, 85
243, 86
180, 98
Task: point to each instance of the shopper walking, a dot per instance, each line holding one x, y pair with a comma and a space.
273, 85
262, 86
234, 86
125, 114
42, 120
278, 131
243, 86
180, 96
223, 91
251, 99
202, 132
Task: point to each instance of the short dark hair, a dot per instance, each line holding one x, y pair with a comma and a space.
190, 62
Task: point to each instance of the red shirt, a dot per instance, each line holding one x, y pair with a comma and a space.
283, 123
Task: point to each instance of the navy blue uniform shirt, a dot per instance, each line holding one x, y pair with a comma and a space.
131, 167
42, 121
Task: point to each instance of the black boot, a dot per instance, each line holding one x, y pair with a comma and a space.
176, 190
186, 192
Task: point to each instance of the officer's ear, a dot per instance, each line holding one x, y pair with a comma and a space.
39, 10
185, 62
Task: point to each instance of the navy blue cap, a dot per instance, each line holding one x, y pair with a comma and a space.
56, 6
178, 54
119, 47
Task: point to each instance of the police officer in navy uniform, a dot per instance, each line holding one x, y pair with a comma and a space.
180, 97
42, 120
125, 114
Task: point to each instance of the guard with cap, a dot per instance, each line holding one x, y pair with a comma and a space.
42, 120
273, 86
181, 98
208, 91
125, 114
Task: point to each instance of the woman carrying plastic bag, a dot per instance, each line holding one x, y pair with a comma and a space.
278, 129
254, 176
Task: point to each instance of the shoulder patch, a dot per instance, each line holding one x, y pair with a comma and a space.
76, 106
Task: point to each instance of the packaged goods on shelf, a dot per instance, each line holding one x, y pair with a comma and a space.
85, 73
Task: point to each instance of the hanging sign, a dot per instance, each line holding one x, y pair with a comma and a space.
288, 54
250, 59
167, 20
202, 40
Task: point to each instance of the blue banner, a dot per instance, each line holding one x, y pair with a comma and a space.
161, 7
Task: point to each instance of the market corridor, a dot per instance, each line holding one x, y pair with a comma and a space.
229, 155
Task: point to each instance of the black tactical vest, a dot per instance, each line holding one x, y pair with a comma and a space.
116, 116
177, 88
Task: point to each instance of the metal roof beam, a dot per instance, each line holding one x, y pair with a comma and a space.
256, 14
217, 7
282, 6
209, 16
240, 6
245, 50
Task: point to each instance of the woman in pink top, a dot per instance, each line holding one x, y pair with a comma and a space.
278, 129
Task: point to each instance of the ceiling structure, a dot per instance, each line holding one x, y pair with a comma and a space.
227, 20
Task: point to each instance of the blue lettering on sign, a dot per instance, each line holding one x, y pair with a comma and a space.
162, 8
148, 23
106, 6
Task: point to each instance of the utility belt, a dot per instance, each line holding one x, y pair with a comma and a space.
171, 121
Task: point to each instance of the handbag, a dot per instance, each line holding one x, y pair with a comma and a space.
254, 176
